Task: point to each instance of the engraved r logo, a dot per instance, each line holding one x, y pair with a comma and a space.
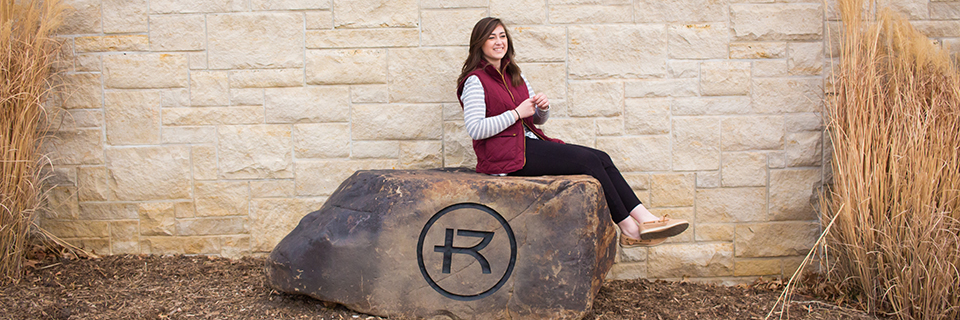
448, 249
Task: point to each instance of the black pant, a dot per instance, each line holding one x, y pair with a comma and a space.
550, 158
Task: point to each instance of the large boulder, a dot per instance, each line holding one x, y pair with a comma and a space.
451, 243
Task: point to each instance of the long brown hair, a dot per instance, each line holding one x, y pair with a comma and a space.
478, 37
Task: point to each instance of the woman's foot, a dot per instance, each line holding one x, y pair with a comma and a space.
662, 228
630, 235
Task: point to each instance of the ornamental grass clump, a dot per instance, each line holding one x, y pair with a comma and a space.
894, 123
27, 53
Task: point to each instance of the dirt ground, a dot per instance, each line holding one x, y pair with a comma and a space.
181, 287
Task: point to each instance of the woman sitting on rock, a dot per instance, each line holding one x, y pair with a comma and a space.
500, 111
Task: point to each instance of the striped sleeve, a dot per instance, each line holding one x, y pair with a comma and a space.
541, 116
475, 119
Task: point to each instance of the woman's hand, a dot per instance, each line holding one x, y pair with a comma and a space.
540, 100
526, 108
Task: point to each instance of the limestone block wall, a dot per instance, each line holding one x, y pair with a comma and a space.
213, 126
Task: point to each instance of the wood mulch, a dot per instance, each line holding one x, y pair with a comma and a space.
199, 287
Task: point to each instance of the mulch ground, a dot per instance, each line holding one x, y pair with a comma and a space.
182, 287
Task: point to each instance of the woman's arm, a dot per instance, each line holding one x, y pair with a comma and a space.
479, 126
541, 116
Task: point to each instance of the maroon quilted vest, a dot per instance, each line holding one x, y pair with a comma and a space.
503, 152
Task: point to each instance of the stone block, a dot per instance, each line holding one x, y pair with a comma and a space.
110, 43
579, 131
275, 218
683, 68
269, 5
321, 177
752, 133
438, 83
255, 152
92, 183
944, 10
184, 209
802, 122
246, 97
775, 239
704, 106
359, 66
457, 146
132, 117
266, 78
376, 149
83, 17
178, 32
598, 52
723, 205
757, 267
307, 104
770, 68
221, 198
235, 247
208, 6
363, 38
659, 88
200, 116
785, 95
707, 232
157, 219
421, 154
696, 142
82, 91
628, 271
610, 126
376, 14
149, 173
197, 60
683, 11
319, 20
238, 41
539, 43
691, 260
377, 211
594, 98
699, 41
758, 50
708, 179
321, 140
519, 12
211, 226
638, 254
547, 78
448, 27
145, 71
672, 190
806, 59
189, 135
372, 93
792, 192
777, 21
80, 146
272, 188
88, 63
62, 176
124, 16
638, 153
590, 14
62, 203
61, 120
436, 4
398, 122
174, 98
725, 78
124, 231
209, 88
107, 211
804, 149
744, 169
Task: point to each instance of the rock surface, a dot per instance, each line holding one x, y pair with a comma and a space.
454, 244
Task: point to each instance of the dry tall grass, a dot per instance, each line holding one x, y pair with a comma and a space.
27, 53
895, 129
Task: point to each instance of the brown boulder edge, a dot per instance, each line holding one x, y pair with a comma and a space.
452, 243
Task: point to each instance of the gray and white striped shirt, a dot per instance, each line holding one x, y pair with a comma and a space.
478, 125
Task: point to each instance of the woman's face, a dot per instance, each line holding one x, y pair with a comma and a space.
496, 46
